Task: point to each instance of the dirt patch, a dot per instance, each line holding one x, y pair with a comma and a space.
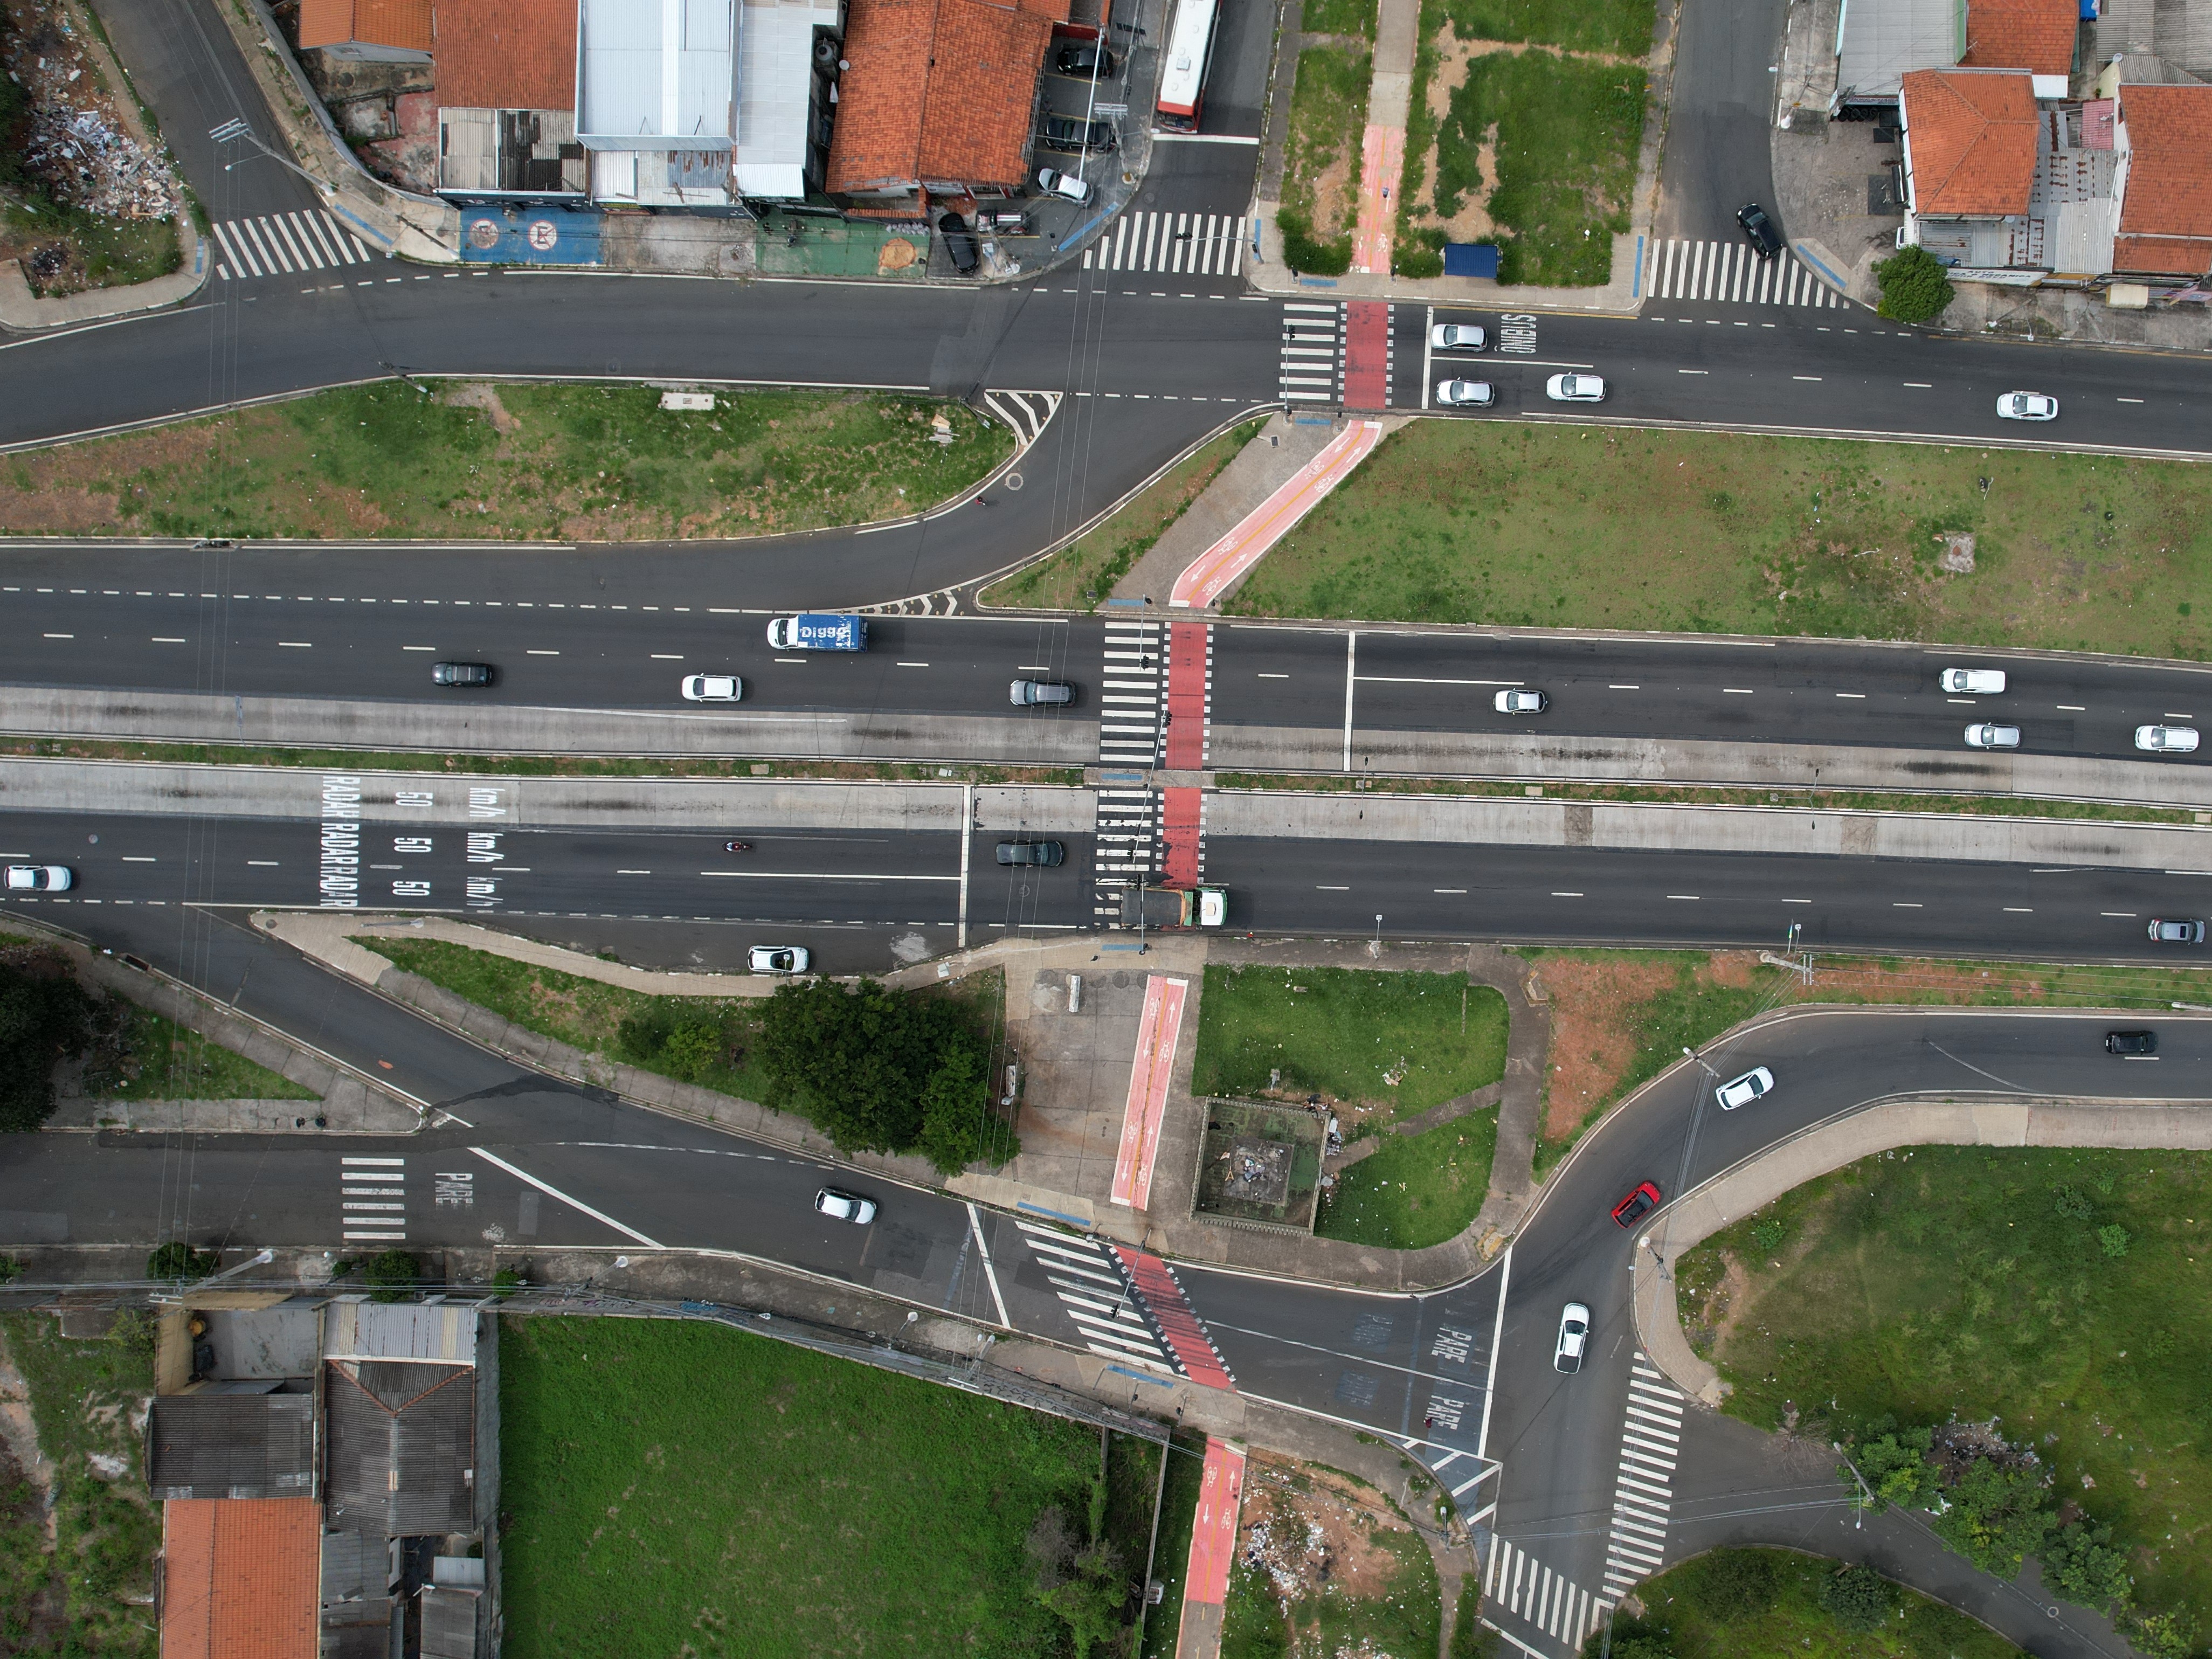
477, 394
1336, 198
1593, 1045
1307, 1526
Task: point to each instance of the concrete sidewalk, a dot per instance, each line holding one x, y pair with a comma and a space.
1702, 763
1489, 820
1759, 1180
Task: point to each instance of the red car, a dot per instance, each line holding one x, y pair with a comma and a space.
1637, 1205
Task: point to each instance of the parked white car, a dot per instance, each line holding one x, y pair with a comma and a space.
1575, 389
1742, 1090
713, 687
778, 958
1457, 336
1065, 186
1989, 735
39, 879
1974, 682
1465, 394
2027, 406
1574, 1338
2166, 739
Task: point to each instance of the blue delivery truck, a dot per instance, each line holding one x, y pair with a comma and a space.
818, 632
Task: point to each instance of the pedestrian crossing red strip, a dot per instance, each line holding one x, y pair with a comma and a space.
1193, 1349
1366, 355
1190, 663
1180, 826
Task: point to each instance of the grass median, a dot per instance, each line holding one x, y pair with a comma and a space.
675, 1487
510, 461
1473, 521
1321, 161
2051, 1306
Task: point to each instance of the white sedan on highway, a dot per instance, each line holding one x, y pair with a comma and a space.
1520, 700
40, 879
1974, 681
2166, 739
1457, 336
2027, 406
1575, 389
1464, 394
1990, 735
1753, 1085
713, 687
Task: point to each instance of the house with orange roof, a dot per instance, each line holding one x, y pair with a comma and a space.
507, 100
368, 31
239, 1578
2163, 140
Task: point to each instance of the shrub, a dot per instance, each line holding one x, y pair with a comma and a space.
2080, 1565
2072, 1203
1996, 1515
1302, 251
1858, 1598
44, 1019
1631, 1638
1896, 1466
1738, 1584
2112, 1239
390, 1275
178, 1260
1769, 1231
2162, 1635
1914, 288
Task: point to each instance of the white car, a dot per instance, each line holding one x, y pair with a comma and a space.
1065, 186
1742, 1090
1465, 394
2166, 739
778, 958
1974, 682
1575, 389
2027, 406
713, 687
39, 879
839, 1205
1574, 1338
1520, 701
1457, 336
1992, 737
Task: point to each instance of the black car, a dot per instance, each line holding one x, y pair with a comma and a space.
1065, 132
959, 245
460, 673
2131, 1042
1046, 852
1765, 238
1083, 56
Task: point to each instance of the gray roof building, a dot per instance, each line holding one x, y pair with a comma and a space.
220, 1444
402, 1448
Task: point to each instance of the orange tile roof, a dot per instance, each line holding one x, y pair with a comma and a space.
241, 1577
2166, 210
2035, 35
404, 23
1971, 138
939, 91
507, 54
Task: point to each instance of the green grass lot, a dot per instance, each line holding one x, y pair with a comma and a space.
1321, 172
508, 462
1338, 17
1568, 129
1464, 521
89, 1590
1979, 1282
1081, 574
680, 1487
586, 1013
163, 1060
1172, 1556
1622, 27
95, 252
1704, 1609
1417, 1190
1402, 1042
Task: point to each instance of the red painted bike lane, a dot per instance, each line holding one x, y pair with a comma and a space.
1366, 354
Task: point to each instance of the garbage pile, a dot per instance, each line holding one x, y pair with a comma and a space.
75, 147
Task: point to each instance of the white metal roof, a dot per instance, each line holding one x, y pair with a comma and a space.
775, 51
656, 74
1879, 42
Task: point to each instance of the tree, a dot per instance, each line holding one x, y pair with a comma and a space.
954, 1108
1914, 288
1997, 1515
390, 1275
1859, 1597
2080, 1563
1896, 1466
178, 1260
1629, 1639
45, 1017
864, 1066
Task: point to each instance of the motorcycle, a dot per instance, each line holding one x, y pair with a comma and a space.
737, 846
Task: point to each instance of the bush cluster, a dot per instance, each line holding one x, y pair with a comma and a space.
1914, 288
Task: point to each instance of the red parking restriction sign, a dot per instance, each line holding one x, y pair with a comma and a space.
543, 236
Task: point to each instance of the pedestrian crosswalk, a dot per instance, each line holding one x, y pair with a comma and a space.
1129, 695
372, 1200
1313, 352
284, 243
1516, 1583
1176, 244
1096, 1294
1732, 273
1650, 1441
1125, 848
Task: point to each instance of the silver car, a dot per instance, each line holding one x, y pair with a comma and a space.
841, 1206
1574, 1338
2174, 930
1026, 693
1520, 700
2027, 406
1465, 394
2166, 739
1575, 389
1990, 736
39, 879
1457, 336
1065, 186
1974, 682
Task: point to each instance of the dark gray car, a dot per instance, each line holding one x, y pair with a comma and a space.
1027, 694
1065, 132
460, 673
1046, 852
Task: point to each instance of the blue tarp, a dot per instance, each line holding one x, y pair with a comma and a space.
529, 236
1471, 259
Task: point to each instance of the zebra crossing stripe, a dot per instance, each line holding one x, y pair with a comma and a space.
1641, 1498
1099, 1297
372, 1200
1730, 273
288, 243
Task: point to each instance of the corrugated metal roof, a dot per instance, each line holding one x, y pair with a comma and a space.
657, 73
449, 1624
402, 1449
775, 61
1879, 42
442, 1332
232, 1445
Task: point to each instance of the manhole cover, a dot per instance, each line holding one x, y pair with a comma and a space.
1121, 977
